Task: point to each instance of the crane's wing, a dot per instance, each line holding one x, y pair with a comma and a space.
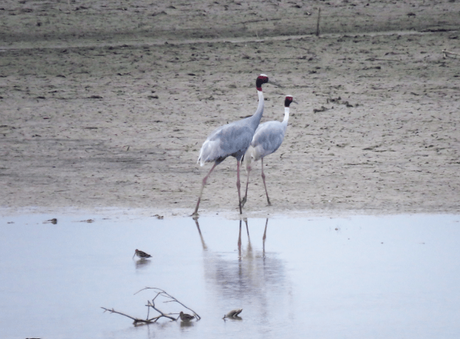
267, 139
231, 139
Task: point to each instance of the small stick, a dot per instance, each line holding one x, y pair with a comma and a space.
162, 314
166, 294
135, 320
317, 23
151, 304
448, 53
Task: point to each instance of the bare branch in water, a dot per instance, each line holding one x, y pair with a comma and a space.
151, 304
136, 321
162, 314
167, 295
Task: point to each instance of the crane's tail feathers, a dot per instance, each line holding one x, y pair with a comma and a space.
201, 157
209, 152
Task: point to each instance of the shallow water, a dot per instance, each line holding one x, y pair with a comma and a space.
317, 277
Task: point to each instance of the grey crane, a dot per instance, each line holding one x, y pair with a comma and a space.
231, 140
268, 138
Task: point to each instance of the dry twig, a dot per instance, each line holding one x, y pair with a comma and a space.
447, 53
167, 295
136, 321
151, 304
317, 22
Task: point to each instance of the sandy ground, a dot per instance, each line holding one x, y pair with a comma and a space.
105, 104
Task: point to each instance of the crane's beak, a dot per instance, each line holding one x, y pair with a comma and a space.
274, 82
295, 102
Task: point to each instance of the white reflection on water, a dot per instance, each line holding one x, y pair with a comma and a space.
359, 277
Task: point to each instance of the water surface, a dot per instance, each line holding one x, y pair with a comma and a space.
317, 277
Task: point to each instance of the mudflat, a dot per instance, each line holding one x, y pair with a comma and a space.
106, 104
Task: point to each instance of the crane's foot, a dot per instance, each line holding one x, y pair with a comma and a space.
195, 214
243, 201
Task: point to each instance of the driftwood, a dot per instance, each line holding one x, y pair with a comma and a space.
167, 295
136, 321
317, 22
151, 304
447, 53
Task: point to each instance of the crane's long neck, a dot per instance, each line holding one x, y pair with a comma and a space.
286, 115
260, 108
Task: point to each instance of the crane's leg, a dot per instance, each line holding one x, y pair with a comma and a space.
238, 184
202, 187
263, 178
248, 168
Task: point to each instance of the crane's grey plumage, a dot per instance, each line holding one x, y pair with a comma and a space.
232, 140
267, 139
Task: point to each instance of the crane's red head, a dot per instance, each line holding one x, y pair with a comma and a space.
289, 99
261, 79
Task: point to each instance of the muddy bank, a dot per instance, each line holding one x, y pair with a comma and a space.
115, 117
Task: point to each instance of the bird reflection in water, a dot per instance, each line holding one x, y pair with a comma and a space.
249, 248
142, 263
246, 278
187, 323
263, 238
233, 314
201, 235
